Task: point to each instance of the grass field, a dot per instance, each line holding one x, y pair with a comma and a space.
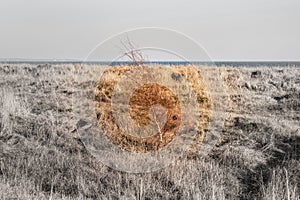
43, 157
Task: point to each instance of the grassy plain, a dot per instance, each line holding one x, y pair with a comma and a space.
42, 156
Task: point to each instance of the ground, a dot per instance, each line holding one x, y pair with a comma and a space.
43, 157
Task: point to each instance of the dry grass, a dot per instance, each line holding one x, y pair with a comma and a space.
282, 184
140, 103
41, 157
11, 106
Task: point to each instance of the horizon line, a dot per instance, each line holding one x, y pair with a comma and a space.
151, 61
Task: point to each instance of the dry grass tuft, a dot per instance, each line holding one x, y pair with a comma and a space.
282, 184
11, 107
140, 104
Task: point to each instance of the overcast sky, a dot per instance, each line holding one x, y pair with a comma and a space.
227, 29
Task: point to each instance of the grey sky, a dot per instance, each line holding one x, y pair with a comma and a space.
228, 29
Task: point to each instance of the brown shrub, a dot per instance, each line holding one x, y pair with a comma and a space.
141, 101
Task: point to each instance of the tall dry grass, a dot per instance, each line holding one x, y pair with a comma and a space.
282, 183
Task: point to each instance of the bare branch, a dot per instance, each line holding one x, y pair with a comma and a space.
133, 53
